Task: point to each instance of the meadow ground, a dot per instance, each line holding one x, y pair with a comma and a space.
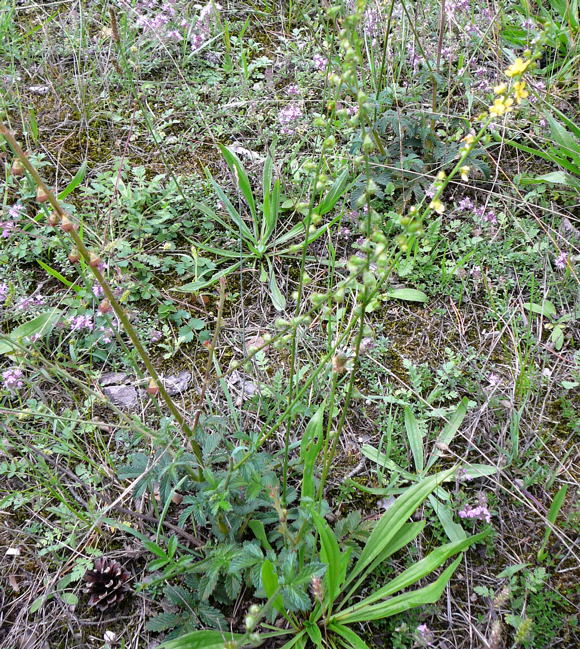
289, 324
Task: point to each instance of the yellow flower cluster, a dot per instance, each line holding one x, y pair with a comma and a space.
520, 91
501, 106
519, 66
504, 102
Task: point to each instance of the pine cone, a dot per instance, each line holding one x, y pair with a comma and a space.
106, 583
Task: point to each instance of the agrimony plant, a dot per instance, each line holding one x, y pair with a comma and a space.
335, 610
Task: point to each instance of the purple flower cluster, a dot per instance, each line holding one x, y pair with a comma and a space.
30, 301
320, 62
481, 512
3, 292
164, 19
288, 116
561, 261
79, 322
14, 213
13, 378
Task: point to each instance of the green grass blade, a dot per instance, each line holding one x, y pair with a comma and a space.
61, 278
75, 182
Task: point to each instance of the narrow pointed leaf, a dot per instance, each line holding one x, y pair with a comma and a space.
236, 167
449, 431
427, 595
415, 438
396, 516
354, 641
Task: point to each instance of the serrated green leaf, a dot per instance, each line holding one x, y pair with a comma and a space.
163, 622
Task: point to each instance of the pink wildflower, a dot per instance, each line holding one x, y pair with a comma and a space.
13, 378
561, 261
320, 62
481, 512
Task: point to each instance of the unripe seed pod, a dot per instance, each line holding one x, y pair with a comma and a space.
94, 260
105, 306
17, 168
41, 195
152, 388
66, 225
74, 256
53, 219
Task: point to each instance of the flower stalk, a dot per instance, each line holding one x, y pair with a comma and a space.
92, 261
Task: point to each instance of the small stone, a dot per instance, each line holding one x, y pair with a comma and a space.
113, 378
124, 396
177, 383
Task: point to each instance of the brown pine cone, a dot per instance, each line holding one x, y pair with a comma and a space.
106, 583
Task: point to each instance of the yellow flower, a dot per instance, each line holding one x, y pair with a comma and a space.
519, 66
469, 139
499, 90
520, 91
441, 175
437, 205
464, 171
501, 106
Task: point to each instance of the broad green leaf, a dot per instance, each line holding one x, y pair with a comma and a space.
404, 536
202, 640
556, 177
407, 294
260, 533
570, 145
394, 519
349, 635
545, 309
417, 571
557, 337
69, 598
42, 325
314, 634
75, 182
246, 233
39, 602
272, 586
449, 431
427, 595
309, 449
236, 167
330, 555
415, 438
478, 470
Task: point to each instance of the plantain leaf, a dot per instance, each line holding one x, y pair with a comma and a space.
407, 294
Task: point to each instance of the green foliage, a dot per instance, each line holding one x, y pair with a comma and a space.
262, 241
